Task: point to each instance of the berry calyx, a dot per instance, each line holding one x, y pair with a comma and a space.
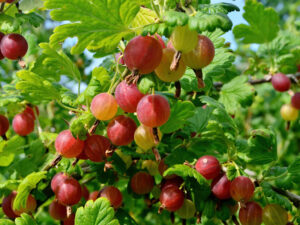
13, 46
143, 54
128, 96
281, 82
220, 187
141, 183
67, 145
153, 110
208, 166
95, 147
113, 195
171, 198
121, 130
104, 106
242, 189
251, 214
288, 112
4, 125
23, 124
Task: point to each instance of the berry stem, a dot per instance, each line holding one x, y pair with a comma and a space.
183, 221
53, 163
2, 7
172, 217
234, 220
69, 108
199, 75
156, 154
75, 162
175, 62
178, 89
155, 133
288, 125
4, 137
94, 127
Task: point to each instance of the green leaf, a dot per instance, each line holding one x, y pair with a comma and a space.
96, 24
262, 147
186, 171
236, 93
294, 168
25, 188
202, 21
180, 112
6, 222
36, 88
81, 124
280, 200
25, 219
27, 5
96, 213
263, 24
144, 17
58, 63
9, 148
33, 18
174, 18
99, 82
200, 119
179, 156
8, 24
124, 218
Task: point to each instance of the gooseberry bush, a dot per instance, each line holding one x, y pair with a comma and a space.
141, 112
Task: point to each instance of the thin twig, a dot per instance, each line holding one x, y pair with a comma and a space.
53, 163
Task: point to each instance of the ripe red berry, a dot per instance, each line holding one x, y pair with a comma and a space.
104, 106
70, 220
153, 110
23, 124
242, 189
208, 166
220, 187
10, 1
128, 96
29, 208
202, 55
113, 195
30, 111
7, 205
1, 36
57, 211
69, 192
171, 198
94, 195
141, 183
281, 82
67, 145
143, 54
13, 46
121, 130
95, 147
251, 214
57, 181
296, 100
4, 125
85, 192
82, 155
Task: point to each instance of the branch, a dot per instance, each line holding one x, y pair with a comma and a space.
293, 77
291, 196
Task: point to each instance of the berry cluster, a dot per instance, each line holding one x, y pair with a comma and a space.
282, 83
